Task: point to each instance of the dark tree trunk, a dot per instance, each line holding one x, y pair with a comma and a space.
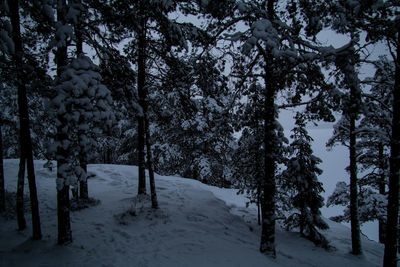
63, 203
258, 207
63, 210
390, 258
20, 195
154, 202
346, 63
2, 187
83, 184
382, 191
78, 34
354, 216
141, 93
26, 141
268, 186
75, 193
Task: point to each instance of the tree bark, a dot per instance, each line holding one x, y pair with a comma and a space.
154, 202
26, 141
83, 184
141, 93
268, 186
63, 214
382, 191
258, 207
2, 187
63, 203
20, 195
390, 257
354, 216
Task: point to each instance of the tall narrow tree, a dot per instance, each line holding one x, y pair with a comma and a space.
346, 63
390, 258
63, 201
26, 141
142, 93
2, 187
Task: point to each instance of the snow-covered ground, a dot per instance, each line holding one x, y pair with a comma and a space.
196, 225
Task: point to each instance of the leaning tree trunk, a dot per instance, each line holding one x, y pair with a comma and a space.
20, 195
63, 202
26, 141
154, 203
390, 257
2, 187
141, 93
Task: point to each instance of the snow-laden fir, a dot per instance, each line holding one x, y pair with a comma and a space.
196, 225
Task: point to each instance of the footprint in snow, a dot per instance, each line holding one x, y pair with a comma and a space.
196, 217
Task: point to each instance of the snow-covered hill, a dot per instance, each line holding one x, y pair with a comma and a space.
196, 225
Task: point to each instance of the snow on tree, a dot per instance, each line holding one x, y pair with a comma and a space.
83, 104
372, 205
373, 144
301, 178
375, 132
191, 111
275, 52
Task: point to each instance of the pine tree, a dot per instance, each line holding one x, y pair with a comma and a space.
346, 64
301, 177
378, 20
276, 53
375, 133
192, 112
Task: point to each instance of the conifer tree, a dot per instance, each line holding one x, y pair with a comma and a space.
301, 176
276, 53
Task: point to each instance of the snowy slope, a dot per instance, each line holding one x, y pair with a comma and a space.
196, 225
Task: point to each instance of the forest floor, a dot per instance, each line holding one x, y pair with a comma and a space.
196, 225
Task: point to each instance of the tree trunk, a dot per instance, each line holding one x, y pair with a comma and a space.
382, 191
20, 195
354, 216
83, 184
63, 210
26, 141
390, 257
268, 186
2, 187
63, 203
154, 203
141, 93
258, 207
346, 63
